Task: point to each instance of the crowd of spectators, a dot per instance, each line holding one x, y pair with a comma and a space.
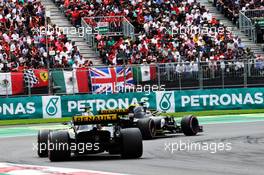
166, 31
23, 39
231, 8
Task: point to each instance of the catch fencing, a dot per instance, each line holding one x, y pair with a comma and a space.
107, 26
170, 76
206, 75
250, 22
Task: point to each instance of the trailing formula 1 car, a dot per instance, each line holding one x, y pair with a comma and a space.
152, 123
91, 134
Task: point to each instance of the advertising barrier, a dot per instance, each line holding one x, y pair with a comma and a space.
218, 99
169, 101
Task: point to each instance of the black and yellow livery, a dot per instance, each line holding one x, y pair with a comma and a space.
153, 123
106, 132
96, 119
115, 111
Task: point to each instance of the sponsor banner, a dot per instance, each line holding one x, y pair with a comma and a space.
168, 101
51, 107
20, 108
165, 101
75, 104
218, 99
69, 105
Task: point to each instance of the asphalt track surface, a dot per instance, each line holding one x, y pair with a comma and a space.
245, 157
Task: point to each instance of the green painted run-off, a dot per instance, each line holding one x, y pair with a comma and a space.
32, 130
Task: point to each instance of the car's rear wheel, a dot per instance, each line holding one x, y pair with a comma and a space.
59, 146
131, 143
190, 125
43, 143
147, 128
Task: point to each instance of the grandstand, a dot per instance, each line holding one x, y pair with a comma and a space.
181, 44
246, 15
230, 19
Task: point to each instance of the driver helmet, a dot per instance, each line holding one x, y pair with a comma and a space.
87, 108
131, 108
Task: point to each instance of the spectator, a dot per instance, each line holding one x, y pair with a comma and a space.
168, 31
22, 41
231, 8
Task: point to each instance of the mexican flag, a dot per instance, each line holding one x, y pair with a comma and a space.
69, 82
144, 72
11, 83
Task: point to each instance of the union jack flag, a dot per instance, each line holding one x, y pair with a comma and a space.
111, 79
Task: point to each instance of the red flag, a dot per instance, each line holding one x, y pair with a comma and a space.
82, 79
43, 77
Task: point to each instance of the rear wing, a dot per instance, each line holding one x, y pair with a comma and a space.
125, 111
114, 111
96, 119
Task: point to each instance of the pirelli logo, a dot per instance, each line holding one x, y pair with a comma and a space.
107, 118
114, 111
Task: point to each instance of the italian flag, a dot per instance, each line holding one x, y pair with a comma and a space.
69, 82
11, 83
145, 72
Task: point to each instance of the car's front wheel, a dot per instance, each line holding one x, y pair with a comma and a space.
147, 128
190, 125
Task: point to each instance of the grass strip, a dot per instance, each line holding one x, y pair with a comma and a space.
176, 114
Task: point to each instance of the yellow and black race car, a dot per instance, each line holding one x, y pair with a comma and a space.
91, 134
152, 123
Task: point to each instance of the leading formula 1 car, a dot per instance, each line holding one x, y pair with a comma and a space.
89, 134
152, 123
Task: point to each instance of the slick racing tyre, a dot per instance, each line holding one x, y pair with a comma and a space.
43, 143
189, 125
131, 143
114, 150
147, 128
59, 142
